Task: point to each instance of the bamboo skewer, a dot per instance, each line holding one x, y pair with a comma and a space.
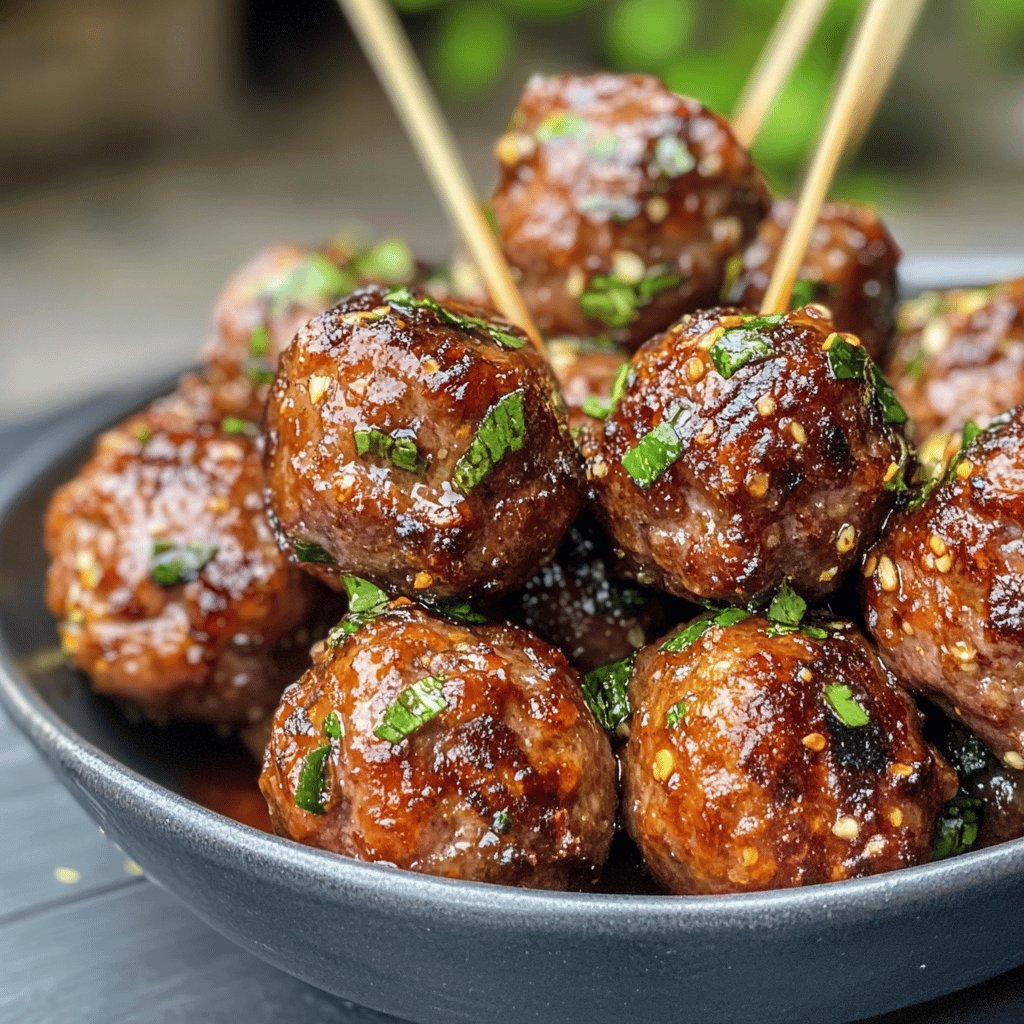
379, 32
852, 88
788, 40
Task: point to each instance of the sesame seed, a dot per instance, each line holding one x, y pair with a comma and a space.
870, 565
798, 432
907, 628
657, 209
711, 337
891, 470
750, 856
766, 405
513, 147
1013, 760
757, 485
874, 846
827, 575
628, 266
664, 762
706, 433
900, 770
598, 469
575, 282
965, 469
888, 577
636, 636
815, 741
431, 365
317, 387
937, 544
829, 341
806, 675
847, 539
422, 580
895, 817
695, 371
945, 563
963, 653
846, 828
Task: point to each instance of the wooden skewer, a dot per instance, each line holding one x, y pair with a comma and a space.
788, 40
853, 85
377, 27
900, 30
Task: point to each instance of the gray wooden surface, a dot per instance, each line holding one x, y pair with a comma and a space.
105, 945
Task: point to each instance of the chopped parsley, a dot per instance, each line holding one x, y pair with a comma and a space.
600, 408
501, 823
314, 281
721, 617
561, 125
672, 158
309, 794
676, 714
739, 346
237, 425
970, 433
259, 372
398, 448
172, 564
308, 551
851, 362
412, 708
606, 691
498, 332
259, 341
502, 431
365, 602
388, 262
845, 706
658, 449
803, 293
332, 726
957, 828
786, 615
616, 302
459, 611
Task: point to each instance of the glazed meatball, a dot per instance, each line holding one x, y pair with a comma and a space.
944, 590
620, 202
422, 446
272, 296
578, 603
463, 751
960, 356
165, 575
765, 761
849, 267
746, 450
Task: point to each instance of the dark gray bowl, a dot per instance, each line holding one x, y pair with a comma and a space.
432, 950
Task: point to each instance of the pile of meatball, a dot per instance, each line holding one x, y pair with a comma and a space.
746, 589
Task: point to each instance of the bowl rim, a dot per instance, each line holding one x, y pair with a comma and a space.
301, 866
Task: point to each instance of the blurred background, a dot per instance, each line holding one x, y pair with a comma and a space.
147, 148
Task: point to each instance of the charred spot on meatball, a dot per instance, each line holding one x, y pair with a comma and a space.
959, 356
764, 759
165, 574
420, 445
619, 203
458, 750
849, 267
935, 594
747, 449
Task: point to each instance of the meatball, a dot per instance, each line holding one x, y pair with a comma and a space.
745, 450
944, 590
960, 356
463, 751
273, 295
577, 603
761, 758
422, 446
586, 374
165, 575
850, 267
620, 203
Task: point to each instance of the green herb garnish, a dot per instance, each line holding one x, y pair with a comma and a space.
604, 148
365, 602
786, 615
459, 611
259, 341
957, 828
172, 564
314, 281
259, 373
846, 707
236, 425
332, 726
672, 158
501, 823
387, 262
721, 617
739, 346
502, 431
970, 433
308, 551
561, 125
413, 707
398, 448
803, 293
616, 302
851, 362
309, 794
658, 449
600, 408
143, 435
676, 714
500, 333
606, 691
